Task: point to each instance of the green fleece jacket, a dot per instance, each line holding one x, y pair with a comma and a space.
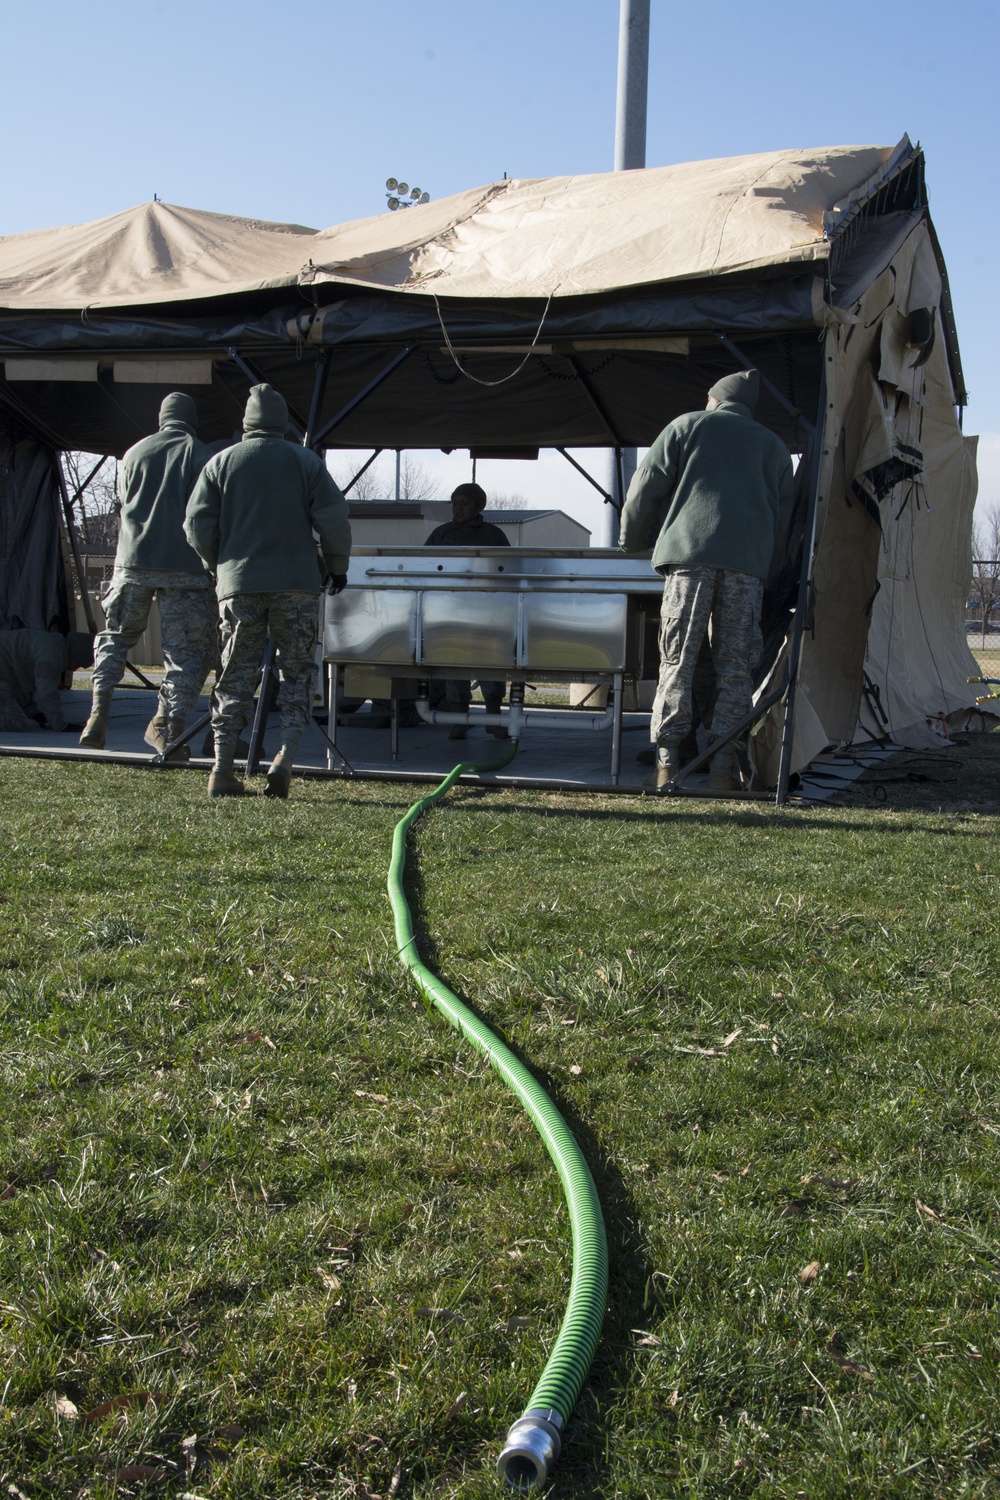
255, 508
155, 481
714, 490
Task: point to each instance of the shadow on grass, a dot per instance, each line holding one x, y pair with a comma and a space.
670, 814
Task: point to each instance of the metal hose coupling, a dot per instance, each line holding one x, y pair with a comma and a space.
532, 1448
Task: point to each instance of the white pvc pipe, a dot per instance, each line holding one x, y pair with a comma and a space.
516, 718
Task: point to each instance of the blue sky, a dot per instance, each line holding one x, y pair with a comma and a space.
299, 112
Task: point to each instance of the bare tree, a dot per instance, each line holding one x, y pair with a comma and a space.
986, 564
414, 481
94, 496
369, 487
379, 482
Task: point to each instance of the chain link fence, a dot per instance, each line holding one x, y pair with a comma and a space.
982, 619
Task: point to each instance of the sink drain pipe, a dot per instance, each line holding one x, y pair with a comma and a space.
535, 1439
516, 717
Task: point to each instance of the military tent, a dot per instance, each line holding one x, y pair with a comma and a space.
575, 312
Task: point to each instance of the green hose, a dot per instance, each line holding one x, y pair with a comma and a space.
533, 1442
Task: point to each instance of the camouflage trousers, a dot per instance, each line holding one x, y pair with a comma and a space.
246, 621
188, 631
698, 602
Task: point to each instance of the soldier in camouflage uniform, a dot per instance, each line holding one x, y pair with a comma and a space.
153, 560
251, 519
712, 497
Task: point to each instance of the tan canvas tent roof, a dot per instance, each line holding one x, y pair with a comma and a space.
568, 236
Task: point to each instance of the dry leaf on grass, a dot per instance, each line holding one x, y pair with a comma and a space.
809, 1272
331, 1282
928, 1212
513, 1324
727, 1041
850, 1366
575, 1069
645, 1339
252, 1038
122, 1404
376, 1098
795, 1208
456, 1406
64, 1408
435, 1314
142, 1474
231, 1432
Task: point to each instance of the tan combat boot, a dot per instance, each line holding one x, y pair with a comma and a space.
724, 776
96, 728
156, 730
279, 775
225, 784
162, 730
667, 765
175, 728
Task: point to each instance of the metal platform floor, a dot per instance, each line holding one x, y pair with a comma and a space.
548, 759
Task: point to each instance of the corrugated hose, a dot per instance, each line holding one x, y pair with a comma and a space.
534, 1440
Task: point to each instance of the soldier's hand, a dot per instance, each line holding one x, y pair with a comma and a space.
72, 728
335, 583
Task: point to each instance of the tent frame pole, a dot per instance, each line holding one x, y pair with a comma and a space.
608, 499
316, 405
619, 504
81, 574
363, 394
363, 470
81, 489
614, 436
768, 385
74, 545
256, 378
802, 602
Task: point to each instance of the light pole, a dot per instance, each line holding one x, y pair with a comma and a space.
401, 195
630, 153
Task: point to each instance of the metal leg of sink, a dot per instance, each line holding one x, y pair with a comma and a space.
331, 696
616, 729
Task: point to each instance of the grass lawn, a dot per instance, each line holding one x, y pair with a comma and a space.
269, 1229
